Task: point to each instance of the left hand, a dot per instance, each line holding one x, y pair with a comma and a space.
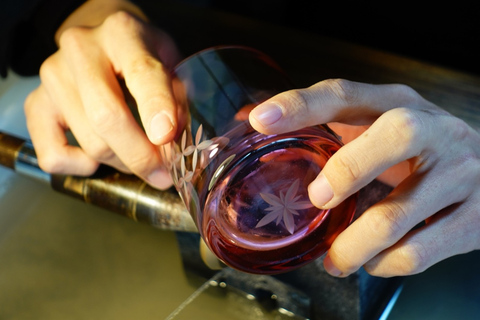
431, 157
83, 90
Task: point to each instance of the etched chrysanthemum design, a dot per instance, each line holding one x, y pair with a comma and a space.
185, 160
283, 207
197, 148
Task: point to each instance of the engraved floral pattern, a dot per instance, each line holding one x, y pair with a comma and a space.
283, 207
186, 160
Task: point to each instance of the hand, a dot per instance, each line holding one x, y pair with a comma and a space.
436, 161
81, 91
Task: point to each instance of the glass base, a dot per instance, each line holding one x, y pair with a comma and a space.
257, 217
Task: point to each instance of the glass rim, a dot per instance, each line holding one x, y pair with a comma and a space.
224, 48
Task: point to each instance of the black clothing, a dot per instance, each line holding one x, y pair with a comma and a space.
27, 29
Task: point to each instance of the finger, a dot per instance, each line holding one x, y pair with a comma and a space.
146, 77
428, 245
106, 109
391, 176
328, 101
397, 135
47, 132
62, 94
385, 223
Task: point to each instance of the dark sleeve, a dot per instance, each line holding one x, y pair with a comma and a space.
27, 29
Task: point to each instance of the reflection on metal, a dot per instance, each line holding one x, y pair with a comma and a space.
235, 295
9, 147
107, 188
129, 196
27, 163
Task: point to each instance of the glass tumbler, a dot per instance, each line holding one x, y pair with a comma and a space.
246, 191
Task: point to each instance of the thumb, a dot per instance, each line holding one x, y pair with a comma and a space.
334, 100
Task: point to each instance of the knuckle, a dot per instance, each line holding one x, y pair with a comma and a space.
414, 257
405, 127
407, 259
342, 261
29, 104
73, 38
297, 99
45, 68
106, 120
47, 71
297, 106
35, 103
75, 51
51, 162
408, 122
387, 222
346, 91
347, 166
143, 65
460, 129
120, 20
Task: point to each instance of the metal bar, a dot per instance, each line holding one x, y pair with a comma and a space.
118, 192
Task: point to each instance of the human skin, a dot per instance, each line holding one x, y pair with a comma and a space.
430, 157
107, 52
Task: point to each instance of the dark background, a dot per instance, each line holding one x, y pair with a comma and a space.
444, 33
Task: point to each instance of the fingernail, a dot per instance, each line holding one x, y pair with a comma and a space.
159, 179
267, 113
320, 191
160, 126
330, 267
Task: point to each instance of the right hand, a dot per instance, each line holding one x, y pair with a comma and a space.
81, 91
436, 158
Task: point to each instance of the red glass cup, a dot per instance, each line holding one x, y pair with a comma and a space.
246, 191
